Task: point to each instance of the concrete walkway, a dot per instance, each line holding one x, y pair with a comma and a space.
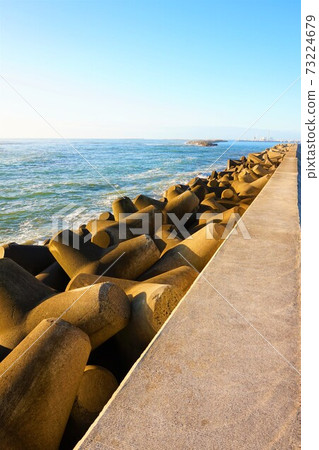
223, 372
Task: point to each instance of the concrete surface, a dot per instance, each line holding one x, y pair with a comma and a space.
223, 372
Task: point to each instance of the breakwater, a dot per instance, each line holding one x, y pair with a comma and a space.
224, 370
111, 286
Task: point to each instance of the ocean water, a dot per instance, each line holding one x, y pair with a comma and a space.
47, 184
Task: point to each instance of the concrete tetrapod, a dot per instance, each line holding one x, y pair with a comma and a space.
252, 174
245, 177
228, 194
182, 204
166, 237
72, 251
275, 154
233, 163
260, 183
212, 183
267, 163
39, 380
123, 205
106, 216
150, 310
127, 260
214, 193
260, 170
33, 258
210, 204
54, 277
222, 218
197, 181
235, 201
141, 222
96, 387
196, 251
200, 191
88, 279
255, 158
142, 201
101, 310
244, 189
180, 279
152, 302
101, 239
95, 225
174, 191
19, 293
151, 305
111, 228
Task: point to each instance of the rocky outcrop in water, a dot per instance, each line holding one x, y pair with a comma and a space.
205, 143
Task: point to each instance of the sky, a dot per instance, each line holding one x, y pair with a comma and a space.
149, 69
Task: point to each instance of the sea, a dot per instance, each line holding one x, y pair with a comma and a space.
47, 185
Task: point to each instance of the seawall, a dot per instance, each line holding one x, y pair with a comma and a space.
223, 372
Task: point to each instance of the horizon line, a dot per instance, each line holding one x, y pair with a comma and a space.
147, 139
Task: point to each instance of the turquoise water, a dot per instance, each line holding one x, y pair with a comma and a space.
44, 180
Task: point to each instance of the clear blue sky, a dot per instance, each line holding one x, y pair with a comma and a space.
147, 68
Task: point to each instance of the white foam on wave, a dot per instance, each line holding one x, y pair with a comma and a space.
144, 175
